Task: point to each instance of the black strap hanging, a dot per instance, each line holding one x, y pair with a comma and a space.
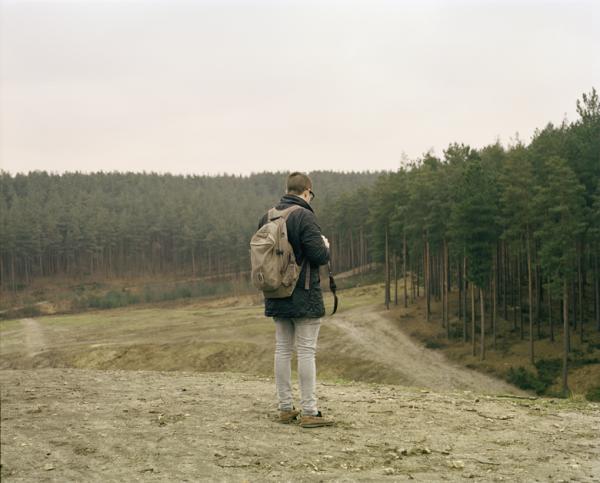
333, 288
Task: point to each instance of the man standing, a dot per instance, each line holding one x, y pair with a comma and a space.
298, 317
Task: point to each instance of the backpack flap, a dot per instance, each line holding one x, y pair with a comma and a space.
274, 268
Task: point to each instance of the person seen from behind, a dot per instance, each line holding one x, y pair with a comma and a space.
297, 318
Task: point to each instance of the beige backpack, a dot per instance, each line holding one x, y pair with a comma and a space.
274, 267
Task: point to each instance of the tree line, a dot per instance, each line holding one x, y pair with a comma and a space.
509, 228
112, 224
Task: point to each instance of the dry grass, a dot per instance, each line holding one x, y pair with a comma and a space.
226, 334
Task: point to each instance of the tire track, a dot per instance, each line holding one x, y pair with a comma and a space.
377, 339
35, 341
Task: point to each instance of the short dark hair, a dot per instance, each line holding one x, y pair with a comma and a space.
298, 183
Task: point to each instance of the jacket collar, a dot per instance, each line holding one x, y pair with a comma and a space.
290, 199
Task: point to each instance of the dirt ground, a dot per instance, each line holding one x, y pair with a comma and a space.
81, 425
79, 402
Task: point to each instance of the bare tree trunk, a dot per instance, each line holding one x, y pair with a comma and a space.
482, 310
13, 279
494, 313
530, 289
426, 282
460, 289
519, 299
513, 294
413, 281
352, 264
464, 297
539, 295
580, 296
418, 276
574, 306
395, 279
565, 387
550, 311
440, 271
446, 304
387, 271
504, 280
472, 318
597, 292
404, 269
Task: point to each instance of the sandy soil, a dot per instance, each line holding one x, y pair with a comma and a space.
377, 338
80, 425
69, 412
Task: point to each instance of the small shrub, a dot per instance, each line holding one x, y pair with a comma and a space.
525, 379
593, 394
548, 370
577, 353
30, 311
433, 344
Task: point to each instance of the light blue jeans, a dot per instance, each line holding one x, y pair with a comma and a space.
304, 333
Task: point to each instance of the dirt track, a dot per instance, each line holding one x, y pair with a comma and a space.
378, 339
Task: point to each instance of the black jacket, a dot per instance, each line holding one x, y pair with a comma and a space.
304, 235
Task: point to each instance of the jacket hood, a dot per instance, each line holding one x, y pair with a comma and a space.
289, 199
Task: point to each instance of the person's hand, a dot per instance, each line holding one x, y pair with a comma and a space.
326, 241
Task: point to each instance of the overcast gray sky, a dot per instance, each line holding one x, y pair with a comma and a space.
249, 86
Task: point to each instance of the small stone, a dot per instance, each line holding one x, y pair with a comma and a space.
456, 464
388, 471
49, 467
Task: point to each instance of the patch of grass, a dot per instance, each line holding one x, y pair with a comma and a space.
361, 280
593, 394
524, 379
110, 300
547, 372
434, 344
149, 294
30, 311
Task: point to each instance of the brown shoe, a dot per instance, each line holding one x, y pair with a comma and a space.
287, 417
310, 421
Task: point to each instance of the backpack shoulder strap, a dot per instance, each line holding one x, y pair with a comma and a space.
285, 213
275, 213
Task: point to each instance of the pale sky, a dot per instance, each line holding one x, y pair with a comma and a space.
208, 87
